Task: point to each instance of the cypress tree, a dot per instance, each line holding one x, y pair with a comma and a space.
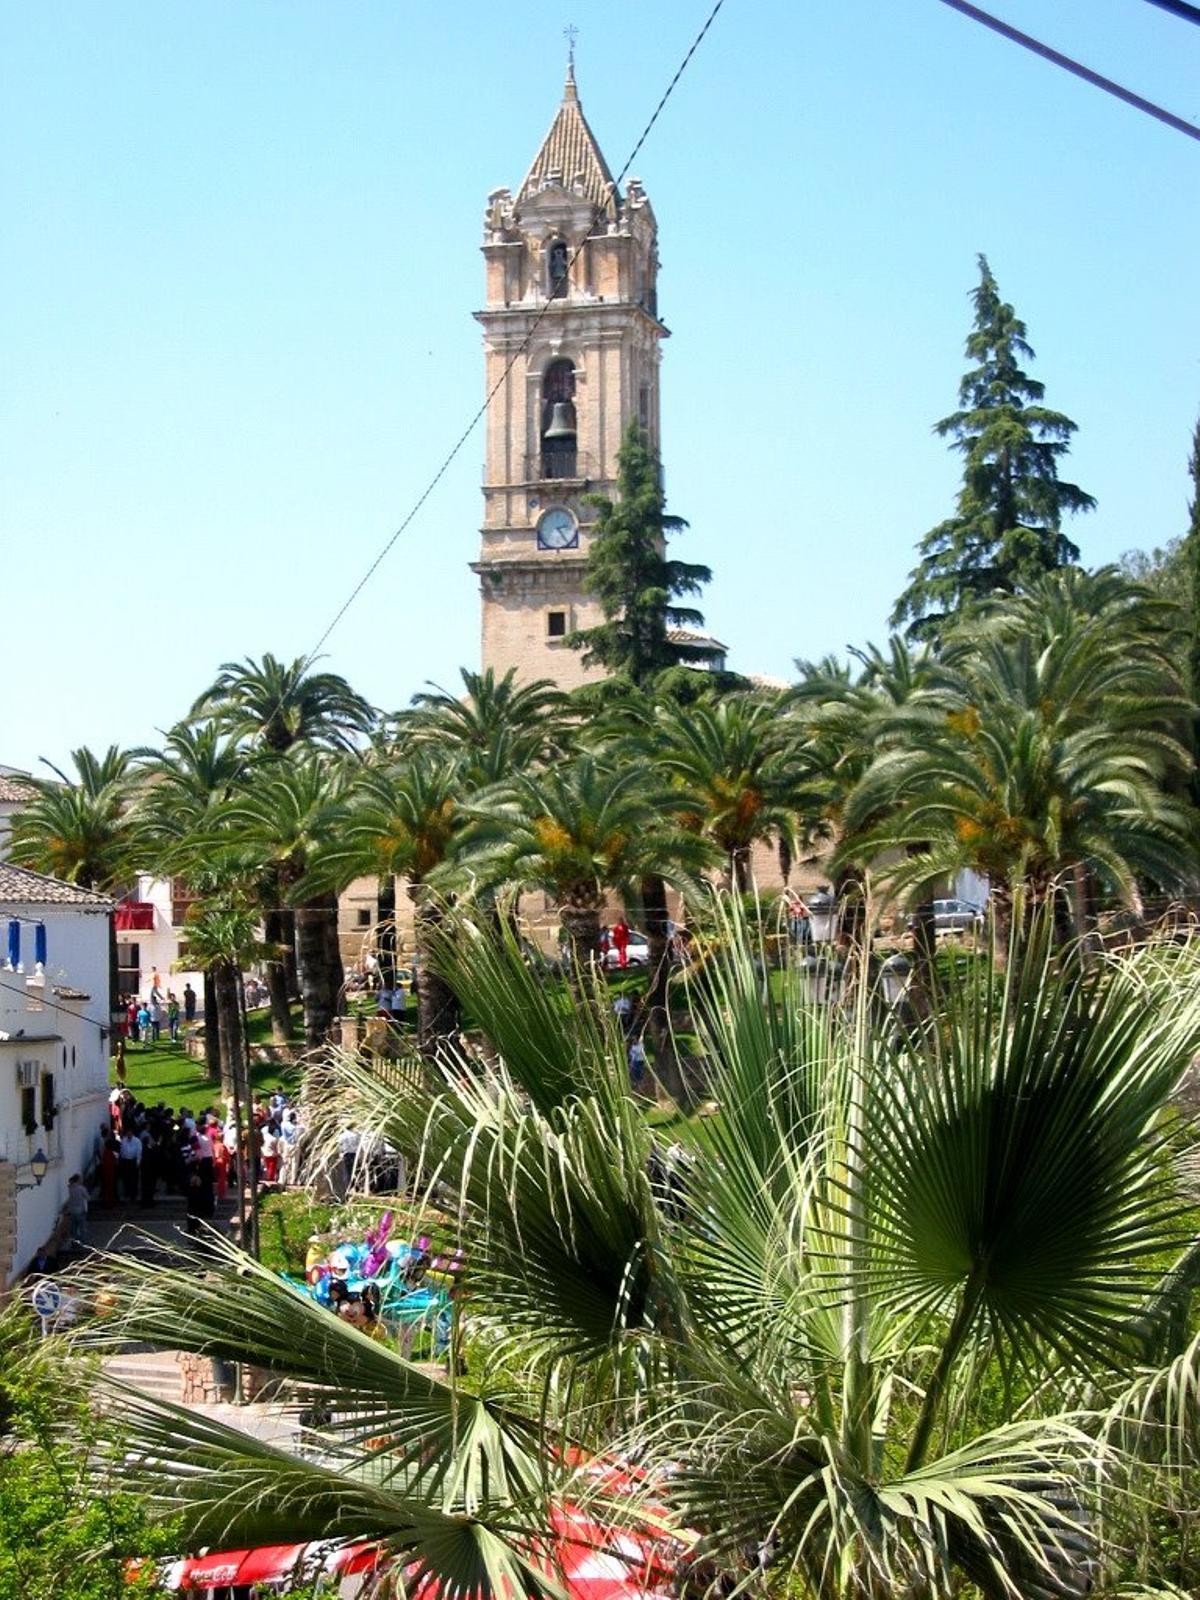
629, 573
1007, 524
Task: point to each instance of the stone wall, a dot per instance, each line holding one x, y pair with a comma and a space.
204, 1382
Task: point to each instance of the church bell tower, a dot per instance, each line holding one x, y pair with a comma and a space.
571, 347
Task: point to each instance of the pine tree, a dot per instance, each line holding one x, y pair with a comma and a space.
1007, 526
629, 573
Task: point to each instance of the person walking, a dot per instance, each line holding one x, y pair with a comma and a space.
143, 1025
77, 1211
156, 1019
131, 1019
189, 1003
620, 941
173, 1018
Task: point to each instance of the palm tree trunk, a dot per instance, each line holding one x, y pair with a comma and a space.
924, 945
228, 982
438, 1016
667, 1067
320, 979
212, 1029
581, 924
279, 937
739, 868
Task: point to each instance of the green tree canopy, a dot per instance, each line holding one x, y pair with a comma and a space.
1006, 528
629, 573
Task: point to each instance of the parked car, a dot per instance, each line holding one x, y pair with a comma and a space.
637, 952
956, 916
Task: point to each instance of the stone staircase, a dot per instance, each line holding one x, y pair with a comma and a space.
154, 1372
149, 1232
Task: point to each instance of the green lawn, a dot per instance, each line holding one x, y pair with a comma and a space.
166, 1072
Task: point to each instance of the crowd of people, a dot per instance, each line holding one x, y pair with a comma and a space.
162, 1010
143, 1150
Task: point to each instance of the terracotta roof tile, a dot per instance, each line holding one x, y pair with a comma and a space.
14, 789
21, 887
570, 150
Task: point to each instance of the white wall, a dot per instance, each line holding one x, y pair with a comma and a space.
67, 1038
158, 947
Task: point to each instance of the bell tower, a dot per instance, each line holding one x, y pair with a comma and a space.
571, 346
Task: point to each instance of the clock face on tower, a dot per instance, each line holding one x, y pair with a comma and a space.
558, 530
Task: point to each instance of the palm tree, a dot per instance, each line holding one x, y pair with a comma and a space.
1046, 759
578, 830
178, 790
220, 939
868, 1333
499, 725
738, 758
277, 705
404, 822
279, 828
77, 828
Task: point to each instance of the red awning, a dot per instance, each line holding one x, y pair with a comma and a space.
271, 1563
599, 1560
135, 916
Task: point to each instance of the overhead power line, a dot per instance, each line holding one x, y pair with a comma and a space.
1077, 68
1179, 8
517, 354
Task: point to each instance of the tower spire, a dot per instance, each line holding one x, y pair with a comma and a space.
570, 34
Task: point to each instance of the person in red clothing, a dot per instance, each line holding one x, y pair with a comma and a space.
620, 939
220, 1162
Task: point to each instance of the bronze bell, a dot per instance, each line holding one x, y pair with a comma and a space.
562, 421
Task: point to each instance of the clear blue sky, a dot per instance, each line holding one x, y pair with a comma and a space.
240, 256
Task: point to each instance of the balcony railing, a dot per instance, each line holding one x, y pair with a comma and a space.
573, 465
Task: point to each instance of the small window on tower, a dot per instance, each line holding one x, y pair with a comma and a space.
644, 405
556, 624
364, 917
560, 260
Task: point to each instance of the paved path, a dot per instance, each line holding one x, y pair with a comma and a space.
133, 1229
149, 1232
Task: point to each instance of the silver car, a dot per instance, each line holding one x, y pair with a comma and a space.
956, 916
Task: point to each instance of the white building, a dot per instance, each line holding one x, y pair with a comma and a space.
149, 939
54, 1031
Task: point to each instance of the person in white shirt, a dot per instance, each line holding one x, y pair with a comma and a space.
129, 1159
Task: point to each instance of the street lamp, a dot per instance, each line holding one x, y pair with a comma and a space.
39, 1166
825, 977
895, 975
823, 916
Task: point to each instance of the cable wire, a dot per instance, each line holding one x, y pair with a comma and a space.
1077, 68
1179, 8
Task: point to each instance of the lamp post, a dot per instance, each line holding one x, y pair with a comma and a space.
895, 975
39, 1165
823, 916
